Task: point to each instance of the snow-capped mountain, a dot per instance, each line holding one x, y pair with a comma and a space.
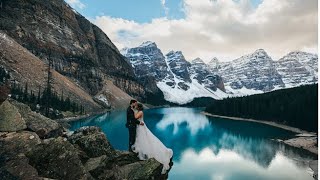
297, 68
147, 60
250, 74
179, 80
258, 73
203, 74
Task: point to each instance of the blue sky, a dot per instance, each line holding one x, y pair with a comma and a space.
138, 10
226, 29
141, 11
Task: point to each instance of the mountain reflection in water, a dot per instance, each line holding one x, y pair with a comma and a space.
212, 148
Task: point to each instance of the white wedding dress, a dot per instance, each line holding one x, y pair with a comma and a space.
148, 146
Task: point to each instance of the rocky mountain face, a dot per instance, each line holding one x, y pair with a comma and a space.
148, 64
204, 75
35, 147
297, 68
25, 68
258, 73
50, 29
179, 80
255, 72
178, 65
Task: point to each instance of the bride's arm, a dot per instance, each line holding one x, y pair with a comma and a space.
138, 115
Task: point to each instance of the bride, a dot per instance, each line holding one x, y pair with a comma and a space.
148, 145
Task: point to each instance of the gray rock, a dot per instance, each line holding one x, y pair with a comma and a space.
58, 159
92, 141
150, 169
18, 168
14, 143
10, 118
43, 126
94, 163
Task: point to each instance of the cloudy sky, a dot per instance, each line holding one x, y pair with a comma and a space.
226, 29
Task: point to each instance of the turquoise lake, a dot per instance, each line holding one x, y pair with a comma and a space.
213, 148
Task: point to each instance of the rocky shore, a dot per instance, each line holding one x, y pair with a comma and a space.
35, 147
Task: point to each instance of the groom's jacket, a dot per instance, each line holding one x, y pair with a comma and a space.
131, 120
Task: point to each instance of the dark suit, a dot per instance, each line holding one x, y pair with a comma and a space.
131, 124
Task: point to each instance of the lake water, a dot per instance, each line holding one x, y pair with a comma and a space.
213, 148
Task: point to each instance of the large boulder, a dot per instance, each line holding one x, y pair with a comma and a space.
124, 165
57, 159
18, 168
13, 163
14, 143
43, 126
92, 141
104, 166
10, 118
149, 169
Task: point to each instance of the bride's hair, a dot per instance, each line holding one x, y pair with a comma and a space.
140, 107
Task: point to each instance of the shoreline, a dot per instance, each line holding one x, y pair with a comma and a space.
304, 139
270, 123
76, 118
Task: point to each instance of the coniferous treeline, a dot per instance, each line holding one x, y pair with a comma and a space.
38, 101
296, 107
4, 75
4, 85
45, 100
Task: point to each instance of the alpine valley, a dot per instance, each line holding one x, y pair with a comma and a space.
181, 80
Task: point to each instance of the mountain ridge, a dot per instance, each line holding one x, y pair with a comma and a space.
253, 73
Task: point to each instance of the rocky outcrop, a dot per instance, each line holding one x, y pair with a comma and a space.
57, 159
43, 126
85, 154
86, 138
10, 118
18, 168
17, 142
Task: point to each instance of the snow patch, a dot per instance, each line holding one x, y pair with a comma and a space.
102, 98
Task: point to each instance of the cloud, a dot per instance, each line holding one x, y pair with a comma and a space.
166, 9
224, 28
231, 165
76, 4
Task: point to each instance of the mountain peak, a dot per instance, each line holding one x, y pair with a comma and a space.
148, 43
174, 52
214, 60
293, 53
197, 61
260, 51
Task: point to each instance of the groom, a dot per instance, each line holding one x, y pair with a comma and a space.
132, 123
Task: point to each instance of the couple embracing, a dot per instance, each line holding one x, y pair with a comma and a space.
141, 139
